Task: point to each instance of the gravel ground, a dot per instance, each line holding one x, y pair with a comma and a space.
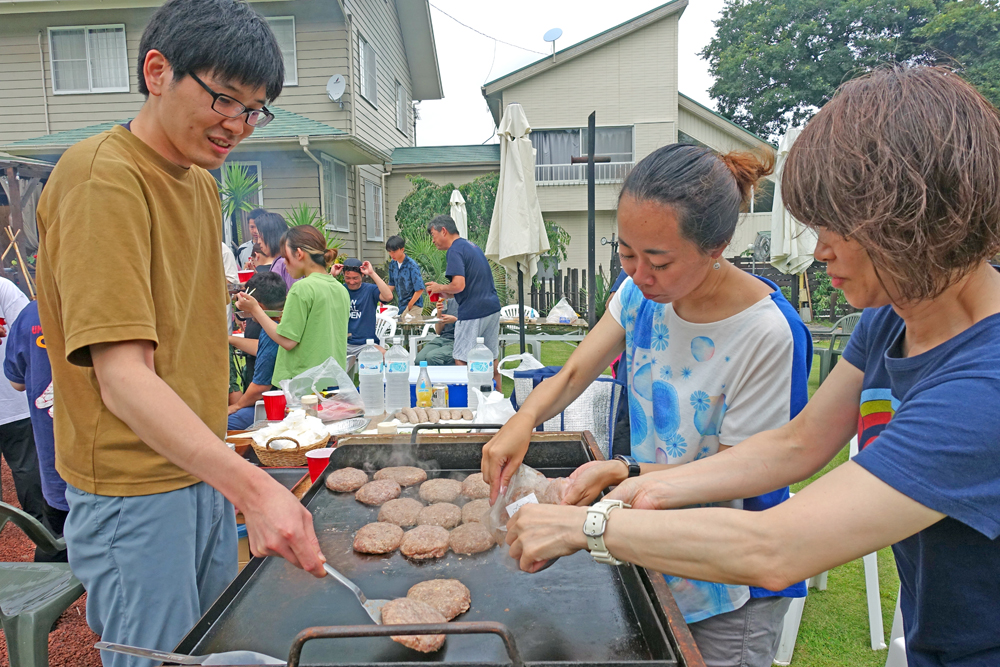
71, 643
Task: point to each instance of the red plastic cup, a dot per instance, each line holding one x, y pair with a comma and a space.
245, 275
318, 460
274, 405
435, 297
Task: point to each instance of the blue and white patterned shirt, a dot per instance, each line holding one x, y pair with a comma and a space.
407, 279
693, 387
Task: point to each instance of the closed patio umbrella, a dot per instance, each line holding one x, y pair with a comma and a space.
517, 232
458, 214
792, 243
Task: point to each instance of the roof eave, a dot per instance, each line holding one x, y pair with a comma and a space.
720, 121
409, 166
421, 50
40, 6
493, 88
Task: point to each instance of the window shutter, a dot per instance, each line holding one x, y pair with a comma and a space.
400, 108
340, 197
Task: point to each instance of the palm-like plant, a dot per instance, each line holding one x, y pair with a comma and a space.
432, 261
239, 192
303, 214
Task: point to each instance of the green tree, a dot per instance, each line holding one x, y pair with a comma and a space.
776, 62
967, 33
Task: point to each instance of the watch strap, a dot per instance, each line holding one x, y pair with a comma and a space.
594, 527
633, 466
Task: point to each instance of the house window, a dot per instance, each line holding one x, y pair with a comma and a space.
88, 59
283, 28
554, 150
373, 211
335, 193
400, 108
369, 71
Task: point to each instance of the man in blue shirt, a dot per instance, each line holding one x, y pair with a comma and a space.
405, 277
474, 290
26, 366
269, 289
365, 298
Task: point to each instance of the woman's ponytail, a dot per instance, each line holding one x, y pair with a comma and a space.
748, 169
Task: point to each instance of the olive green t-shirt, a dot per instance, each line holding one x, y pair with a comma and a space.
315, 316
129, 249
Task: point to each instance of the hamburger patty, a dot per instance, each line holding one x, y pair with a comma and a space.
401, 511
440, 490
473, 511
378, 538
474, 487
425, 542
405, 611
445, 515
378, 492
402, 475
346, 480
448, 596
470, 538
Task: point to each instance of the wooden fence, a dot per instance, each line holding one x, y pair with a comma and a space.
572, 285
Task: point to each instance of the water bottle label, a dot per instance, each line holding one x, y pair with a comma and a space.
399, 367
370, 368
481, 366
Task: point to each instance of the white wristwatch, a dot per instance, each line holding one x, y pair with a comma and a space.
593, 528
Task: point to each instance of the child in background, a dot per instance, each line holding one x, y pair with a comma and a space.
269, 290
313, 324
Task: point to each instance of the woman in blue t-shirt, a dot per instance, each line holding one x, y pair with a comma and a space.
900, 175
712, 355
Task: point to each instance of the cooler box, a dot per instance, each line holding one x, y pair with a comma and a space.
454, 376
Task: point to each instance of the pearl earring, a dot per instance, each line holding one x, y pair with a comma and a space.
716, 266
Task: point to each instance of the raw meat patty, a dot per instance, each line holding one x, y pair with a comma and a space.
425, 542
405, 611
445, 515
470, 538
346, 480
378, 492
440, 490
403, 475
401, 511
378, 538
474, 487
448, 596
473, 511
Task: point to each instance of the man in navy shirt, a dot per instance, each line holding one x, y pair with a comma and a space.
405, 276
474, 290
26, 366
365, 298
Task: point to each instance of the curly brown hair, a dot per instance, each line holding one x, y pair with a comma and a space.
906, 161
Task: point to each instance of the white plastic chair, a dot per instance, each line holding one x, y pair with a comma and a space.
426, 334
511, 312
385, 329
897, 644
390, 311
793, 616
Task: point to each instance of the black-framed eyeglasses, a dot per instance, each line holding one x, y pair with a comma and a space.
232, 108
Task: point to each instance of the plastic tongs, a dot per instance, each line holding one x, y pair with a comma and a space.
228, 658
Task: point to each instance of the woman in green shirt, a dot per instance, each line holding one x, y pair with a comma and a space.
313, 325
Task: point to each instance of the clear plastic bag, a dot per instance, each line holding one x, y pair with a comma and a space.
561, 313
338, 397
527, 363
526, 486
492, 408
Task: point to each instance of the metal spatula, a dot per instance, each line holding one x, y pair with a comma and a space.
373, 607
230, 658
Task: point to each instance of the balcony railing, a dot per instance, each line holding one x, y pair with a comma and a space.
576, 174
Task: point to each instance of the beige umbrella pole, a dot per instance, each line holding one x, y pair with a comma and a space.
20, 261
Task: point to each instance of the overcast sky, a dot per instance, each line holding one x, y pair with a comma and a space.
468, 59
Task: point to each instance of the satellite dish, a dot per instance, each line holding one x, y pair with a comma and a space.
335, 87
552, 35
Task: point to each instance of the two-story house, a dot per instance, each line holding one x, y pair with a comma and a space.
628, 76
68, 71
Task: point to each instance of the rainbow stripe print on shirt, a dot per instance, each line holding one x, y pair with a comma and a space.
877, 408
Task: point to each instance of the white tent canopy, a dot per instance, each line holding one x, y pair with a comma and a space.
458, 213
517, 231
792, 243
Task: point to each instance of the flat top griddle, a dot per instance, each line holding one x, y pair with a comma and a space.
576, 611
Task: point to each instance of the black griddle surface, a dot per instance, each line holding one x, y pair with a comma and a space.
576, 611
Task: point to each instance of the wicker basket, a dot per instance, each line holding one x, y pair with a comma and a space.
285, 458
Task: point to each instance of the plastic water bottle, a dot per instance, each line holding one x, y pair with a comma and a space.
397, 377
370, 379
479, 369
425, 391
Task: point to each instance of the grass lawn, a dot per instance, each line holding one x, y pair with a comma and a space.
834, 630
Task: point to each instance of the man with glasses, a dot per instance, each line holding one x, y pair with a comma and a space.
138, 347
